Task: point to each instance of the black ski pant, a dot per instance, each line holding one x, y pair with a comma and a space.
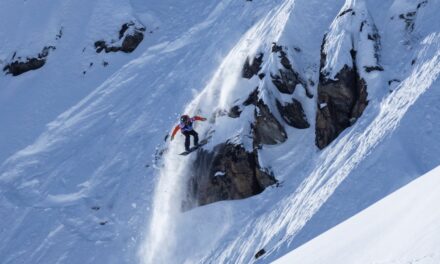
187, 138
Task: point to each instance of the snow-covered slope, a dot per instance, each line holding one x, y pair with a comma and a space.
86, 176
404, 227
309, 201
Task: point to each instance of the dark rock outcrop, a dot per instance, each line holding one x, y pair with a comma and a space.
410, 17
266, 128
19, 66
249, 70
293, 114
286, 81
228, 172
345, 12
252, 98
342, 98
234, 112
287, 78
340, 102
260, 253
130, 35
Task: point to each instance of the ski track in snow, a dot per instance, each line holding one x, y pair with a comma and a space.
401, 228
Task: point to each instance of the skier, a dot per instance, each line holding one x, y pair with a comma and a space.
186, 127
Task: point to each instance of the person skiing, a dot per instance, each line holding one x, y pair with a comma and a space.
186, 127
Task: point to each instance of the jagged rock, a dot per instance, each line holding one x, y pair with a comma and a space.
340, 103
287, 78
234, 112
286, 81
249, 70
228, 172
252, 98
131, 42
276, 48
131, 36
343, 97
293, 114
266, 128
18, 67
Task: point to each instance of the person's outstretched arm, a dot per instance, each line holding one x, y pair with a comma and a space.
177, 128
199, 118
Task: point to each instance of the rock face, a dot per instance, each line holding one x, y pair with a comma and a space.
130, 36
267, 130
18, 67
293, 114
228, 172
287, 78
340, 103
342, 95
249, 70
286, 81
234, 112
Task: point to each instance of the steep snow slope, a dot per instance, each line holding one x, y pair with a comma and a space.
72, 70
309, 201
81, 192
401, 228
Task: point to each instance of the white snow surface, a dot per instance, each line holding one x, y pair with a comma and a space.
401, 228
81, 178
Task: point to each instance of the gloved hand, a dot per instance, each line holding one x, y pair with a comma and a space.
203, 119
172, 138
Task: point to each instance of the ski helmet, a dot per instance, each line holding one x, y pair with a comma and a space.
184, 118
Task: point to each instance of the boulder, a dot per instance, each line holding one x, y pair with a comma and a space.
130, 36
131, 41
228, 172
234, 112
19, 66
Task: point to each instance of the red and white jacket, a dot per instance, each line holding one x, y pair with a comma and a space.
188, 126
